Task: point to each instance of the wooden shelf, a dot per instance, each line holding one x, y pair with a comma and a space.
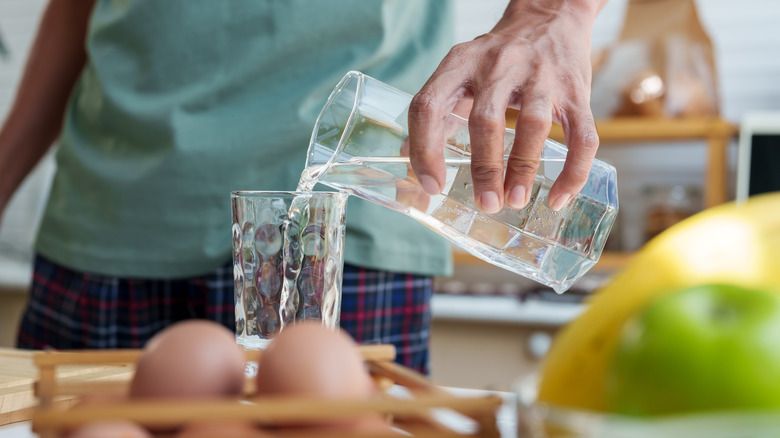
631, 129
716, 132
608, 261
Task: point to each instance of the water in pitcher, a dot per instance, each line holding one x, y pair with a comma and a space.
554, 248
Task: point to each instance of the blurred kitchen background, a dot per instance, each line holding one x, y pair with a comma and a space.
490, 326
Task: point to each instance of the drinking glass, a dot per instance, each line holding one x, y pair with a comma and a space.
288, 260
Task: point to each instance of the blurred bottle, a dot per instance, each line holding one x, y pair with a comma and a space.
667, 205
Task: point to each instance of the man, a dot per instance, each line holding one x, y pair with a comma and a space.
160, 109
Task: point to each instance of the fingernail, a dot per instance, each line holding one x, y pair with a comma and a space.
516, 197
429, 184
560, 201
489, 201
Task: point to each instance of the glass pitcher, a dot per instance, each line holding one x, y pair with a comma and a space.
358, 145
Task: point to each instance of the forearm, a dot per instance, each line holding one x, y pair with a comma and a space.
34, 121
531, 18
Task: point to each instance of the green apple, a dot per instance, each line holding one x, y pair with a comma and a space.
709, 347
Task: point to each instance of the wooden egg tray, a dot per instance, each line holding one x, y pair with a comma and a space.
411, 413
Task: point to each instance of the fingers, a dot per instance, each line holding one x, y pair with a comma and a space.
407, 192
429, 107
583, 141
487, 124
533, 125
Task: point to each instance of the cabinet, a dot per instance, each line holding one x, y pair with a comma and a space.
715, 133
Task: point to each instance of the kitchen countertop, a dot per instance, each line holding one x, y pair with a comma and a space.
503, 309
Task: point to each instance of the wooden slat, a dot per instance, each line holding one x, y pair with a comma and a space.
86, 357
416, 432
404, 377
113, 386
715, 176
96, 357
162, 413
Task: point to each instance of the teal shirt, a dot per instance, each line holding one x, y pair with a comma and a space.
183, 101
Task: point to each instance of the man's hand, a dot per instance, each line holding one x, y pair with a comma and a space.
537, 60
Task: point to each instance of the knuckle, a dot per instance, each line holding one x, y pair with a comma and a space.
587, 138
423, 106
486, 174
521, 167
589, 141
458, 51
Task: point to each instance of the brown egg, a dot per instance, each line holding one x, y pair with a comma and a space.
310, 361
110, 429
190, 359
222, 429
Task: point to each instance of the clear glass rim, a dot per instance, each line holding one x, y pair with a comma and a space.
286, 193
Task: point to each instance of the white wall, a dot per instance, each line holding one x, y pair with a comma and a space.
18, 23
746, 36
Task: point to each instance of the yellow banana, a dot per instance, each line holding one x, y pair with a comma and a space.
735, 243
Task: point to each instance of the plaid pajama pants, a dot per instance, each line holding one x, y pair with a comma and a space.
74, 310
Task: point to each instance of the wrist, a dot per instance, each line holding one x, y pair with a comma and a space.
586, 10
